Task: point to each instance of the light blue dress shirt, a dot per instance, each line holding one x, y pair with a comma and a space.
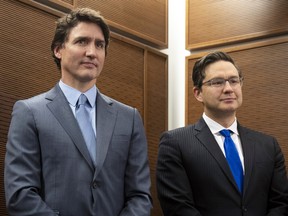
72, 96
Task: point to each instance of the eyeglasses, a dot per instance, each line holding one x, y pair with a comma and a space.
220, 82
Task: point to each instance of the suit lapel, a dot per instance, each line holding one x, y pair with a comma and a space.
106, 118
207, 139
60, 108
248, 147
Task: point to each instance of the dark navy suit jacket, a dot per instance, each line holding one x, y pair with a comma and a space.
193, 176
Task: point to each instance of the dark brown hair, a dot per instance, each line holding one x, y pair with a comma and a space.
72, 19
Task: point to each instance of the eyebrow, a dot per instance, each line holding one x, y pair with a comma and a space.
87, 38
233, 76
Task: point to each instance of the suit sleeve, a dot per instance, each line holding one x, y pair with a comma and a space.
278, 196
137, 174
22, 175
173, 186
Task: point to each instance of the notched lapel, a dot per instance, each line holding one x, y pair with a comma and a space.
207, 139
248, 147
60, 108
106, 119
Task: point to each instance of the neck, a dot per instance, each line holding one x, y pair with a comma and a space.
225, 119
80, 86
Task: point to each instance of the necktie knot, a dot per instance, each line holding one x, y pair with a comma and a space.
82, 100
225, 133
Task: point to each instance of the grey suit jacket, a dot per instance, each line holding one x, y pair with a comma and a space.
48, 170
193, 176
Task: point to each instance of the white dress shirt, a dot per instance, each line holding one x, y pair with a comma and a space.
216, 127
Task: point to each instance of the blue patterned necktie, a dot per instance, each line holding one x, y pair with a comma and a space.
233, 158
85, 123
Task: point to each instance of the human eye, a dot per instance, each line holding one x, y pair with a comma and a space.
100, 44
82, 41
217, 82
234, 80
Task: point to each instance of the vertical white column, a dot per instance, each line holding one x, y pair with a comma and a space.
176, 63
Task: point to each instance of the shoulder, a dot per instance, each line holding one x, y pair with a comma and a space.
32, 101
190, 130
251, 133
41, 99
178, 135
123, 111
262, 142
115, 103
181, 130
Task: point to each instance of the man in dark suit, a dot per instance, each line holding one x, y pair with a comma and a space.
196, 173
50, 169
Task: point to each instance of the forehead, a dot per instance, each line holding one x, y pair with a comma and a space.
86, 29
221, 68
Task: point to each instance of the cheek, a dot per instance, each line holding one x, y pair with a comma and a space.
101, 61
209, 98
102, 58
239, 94
239, 97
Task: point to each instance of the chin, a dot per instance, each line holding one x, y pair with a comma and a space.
90, 75
229, 110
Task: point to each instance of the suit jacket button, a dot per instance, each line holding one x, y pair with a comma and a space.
94, 185
244, 209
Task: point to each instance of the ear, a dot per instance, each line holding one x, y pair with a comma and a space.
197, 94
57, 52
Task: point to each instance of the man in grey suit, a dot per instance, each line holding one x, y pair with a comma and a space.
201, 172
49, 169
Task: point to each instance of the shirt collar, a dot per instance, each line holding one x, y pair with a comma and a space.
215, 127
73, 94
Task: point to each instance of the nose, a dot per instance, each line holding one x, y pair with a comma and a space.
227, 86
91, 51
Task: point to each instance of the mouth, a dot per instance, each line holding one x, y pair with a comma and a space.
228, 99
89, 64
